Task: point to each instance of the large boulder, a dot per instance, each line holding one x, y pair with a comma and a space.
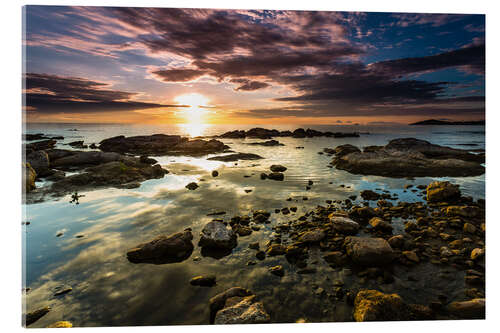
368, 251
33, 316
312, 236
442, 191
163, 249
217, 235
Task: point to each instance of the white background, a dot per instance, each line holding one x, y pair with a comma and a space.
10, 122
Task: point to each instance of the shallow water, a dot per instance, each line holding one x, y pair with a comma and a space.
108, 290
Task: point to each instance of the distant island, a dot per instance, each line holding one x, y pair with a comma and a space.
444, 122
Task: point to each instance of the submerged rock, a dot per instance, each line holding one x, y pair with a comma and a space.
278, 168
218, 301
163, 250
236, 157
61, 324
270, 143
216, 235
203, 281
276, 176
409, 158
369, 251
32, 317
192, 186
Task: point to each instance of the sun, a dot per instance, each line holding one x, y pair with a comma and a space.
194, 113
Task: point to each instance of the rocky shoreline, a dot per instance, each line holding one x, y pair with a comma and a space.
376, 241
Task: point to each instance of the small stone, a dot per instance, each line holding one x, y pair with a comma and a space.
203, 281
277, 270
215, 173
192, 186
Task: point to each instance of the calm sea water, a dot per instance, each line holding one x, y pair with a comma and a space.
108, 290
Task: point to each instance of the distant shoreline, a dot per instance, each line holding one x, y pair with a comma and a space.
443, 122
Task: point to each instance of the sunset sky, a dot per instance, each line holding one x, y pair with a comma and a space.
157, 65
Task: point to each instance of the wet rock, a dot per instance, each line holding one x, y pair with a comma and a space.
344, 225
442, 191
163, 249
192, 186
147, 160
369, 195
276, 176
369, 251
218, 301
160, 144
380, 225
261, 255
263, 176
236, 157
203, 281
111, 174
216, 235
242, 230
277, 270
270, 143
39, 161
276, 250
244, 310
39, 145
409, 158
473, 309
77, 144
32, 317
254, 246
373, 305
313, 236
396, 241
464, 211
215, 173
335, 257
469, 228
56, 176
63, 291
61, 324
411, 255
477, 253
277, 168
29, 176
81, 159
362, 213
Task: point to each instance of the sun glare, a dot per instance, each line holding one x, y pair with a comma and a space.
194, 113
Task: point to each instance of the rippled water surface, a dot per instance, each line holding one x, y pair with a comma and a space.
108, 290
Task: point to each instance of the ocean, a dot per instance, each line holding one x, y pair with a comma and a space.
108, 290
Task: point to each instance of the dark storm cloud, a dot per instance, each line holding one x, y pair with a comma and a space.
248, 85
178, 75
471, 56
51, 93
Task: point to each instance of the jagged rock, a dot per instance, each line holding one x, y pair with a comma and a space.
39, 161
216, 235
162, 250
241, 310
